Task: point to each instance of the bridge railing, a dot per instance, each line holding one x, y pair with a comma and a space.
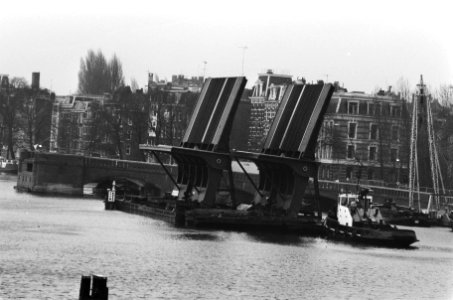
117, 163
389, 186
383, 191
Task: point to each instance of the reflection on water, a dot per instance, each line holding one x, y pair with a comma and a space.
199, 236
47, 243
279, 238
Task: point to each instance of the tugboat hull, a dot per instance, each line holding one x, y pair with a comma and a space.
378, 235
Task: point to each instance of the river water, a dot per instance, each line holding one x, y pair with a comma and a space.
47, 243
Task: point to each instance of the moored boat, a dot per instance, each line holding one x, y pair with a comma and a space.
355, 221
8, 165
406, 216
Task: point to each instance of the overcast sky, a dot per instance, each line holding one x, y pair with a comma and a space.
362, 44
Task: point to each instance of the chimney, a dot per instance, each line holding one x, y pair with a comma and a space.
35, 80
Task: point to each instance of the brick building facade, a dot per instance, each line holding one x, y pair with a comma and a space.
266, 95
365, 138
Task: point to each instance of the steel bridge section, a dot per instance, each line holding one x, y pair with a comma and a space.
203, 155
286, 162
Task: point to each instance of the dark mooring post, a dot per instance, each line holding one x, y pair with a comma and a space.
93, 288
85, 288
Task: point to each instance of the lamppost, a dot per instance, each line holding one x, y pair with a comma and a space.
243, 56
204, 69
398, 166
359, 173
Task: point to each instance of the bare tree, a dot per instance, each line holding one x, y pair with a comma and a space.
120, 123
11, 98
106, 130
134, 108
445, 95
403, 89
96, 76
134, 85
36, 114
19, 83
115, 70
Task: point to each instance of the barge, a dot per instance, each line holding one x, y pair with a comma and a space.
206, 194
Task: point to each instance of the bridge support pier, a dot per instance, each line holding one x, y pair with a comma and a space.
55, 173
52, 174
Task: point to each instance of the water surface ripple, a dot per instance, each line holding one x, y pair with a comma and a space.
47, 243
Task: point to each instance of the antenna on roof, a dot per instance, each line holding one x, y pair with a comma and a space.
204, 68
243, 56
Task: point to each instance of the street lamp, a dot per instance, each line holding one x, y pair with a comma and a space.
398, 166
359, 173
243, 56
204, 69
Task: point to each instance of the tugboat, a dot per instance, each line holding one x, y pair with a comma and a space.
356, 221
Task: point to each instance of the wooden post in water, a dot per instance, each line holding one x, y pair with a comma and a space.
93, 288
85, 287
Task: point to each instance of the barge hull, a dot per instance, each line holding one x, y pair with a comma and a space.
227, 219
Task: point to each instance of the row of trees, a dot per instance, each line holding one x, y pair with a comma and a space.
116, 126
118, 123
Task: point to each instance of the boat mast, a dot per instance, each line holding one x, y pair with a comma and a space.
413, 170
422, 103
433, 157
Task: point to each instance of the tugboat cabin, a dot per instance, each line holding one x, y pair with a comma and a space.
354, 209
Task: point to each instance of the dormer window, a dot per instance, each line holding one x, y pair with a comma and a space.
353, 108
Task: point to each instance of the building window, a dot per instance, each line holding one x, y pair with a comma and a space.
328, 151
371, 108
348, 173
395, 133
372, 154
378, 109
128, 149
353, 108
129, 134
351, 151
393, 155
370, 174
395, 111
373, 132
352, 130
